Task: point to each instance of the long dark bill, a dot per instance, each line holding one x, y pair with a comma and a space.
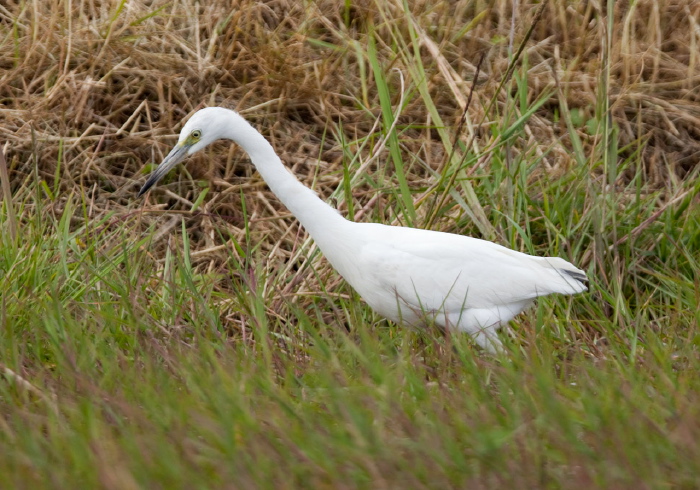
175, 156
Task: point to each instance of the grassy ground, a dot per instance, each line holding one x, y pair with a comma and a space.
198, 340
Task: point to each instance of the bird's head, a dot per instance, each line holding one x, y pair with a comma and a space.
203, 128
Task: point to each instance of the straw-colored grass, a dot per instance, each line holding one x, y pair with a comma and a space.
196, 338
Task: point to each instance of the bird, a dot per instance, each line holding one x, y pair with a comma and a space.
412, 276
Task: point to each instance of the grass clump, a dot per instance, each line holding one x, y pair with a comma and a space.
198, 340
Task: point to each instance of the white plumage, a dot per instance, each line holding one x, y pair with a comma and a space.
408, 275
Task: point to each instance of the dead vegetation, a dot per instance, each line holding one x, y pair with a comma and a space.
90, 92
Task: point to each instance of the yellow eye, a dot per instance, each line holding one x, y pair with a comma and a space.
196, 134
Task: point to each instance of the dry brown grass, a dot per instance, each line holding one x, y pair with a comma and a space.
103, 91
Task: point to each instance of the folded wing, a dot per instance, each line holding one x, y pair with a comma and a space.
440, 271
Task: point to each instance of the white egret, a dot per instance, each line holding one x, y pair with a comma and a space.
408, 275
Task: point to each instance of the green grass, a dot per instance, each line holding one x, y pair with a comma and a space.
135, 382
202, 341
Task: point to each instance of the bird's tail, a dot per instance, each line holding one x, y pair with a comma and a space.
571, 279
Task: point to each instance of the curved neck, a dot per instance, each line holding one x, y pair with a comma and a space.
317, 217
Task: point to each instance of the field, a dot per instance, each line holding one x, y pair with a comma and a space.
196, 338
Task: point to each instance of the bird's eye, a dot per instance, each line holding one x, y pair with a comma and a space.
196, 134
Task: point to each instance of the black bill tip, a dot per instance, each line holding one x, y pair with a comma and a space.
175, 156
149, 183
